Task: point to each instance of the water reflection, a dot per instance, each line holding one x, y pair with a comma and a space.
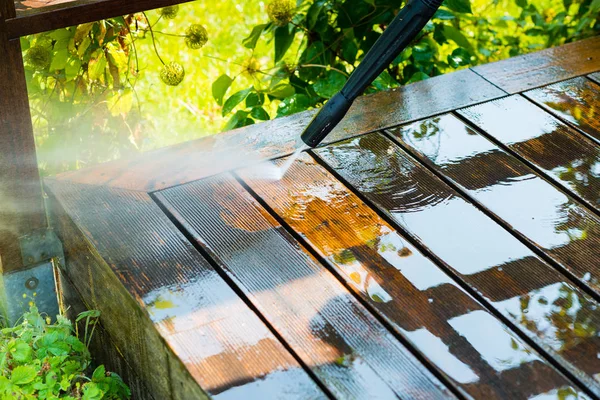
346, 347
411, 292
563, 153
480, 251
225, 347
532, 206
576, 100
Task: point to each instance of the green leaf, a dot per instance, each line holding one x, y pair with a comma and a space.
313, 13
259, 113
284, 37
255, 99
120, 102
91, 391
444, 15
522, 3
59, 60
60, 34
20, 351
99, 374
96, 67
234, 100
117, 56
72, 68
23, 375
418, 76
293, 104
220, 87
330, 84
252, 39
236, 120
349, 50
459, 57
282, 90
461, 6
82, 31
457, 37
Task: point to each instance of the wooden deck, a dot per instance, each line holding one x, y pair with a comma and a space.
445, 243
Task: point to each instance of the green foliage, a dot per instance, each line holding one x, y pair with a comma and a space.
39, 360
331, 37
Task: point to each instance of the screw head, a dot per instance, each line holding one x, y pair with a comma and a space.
32, 283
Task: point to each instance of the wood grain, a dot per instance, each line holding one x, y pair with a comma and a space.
164, 305
470, 244
544, 67
398, 282
576, 101
21, 202
36, 16
352, 354
556, 150
208, 156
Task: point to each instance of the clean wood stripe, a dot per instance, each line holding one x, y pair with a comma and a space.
344, 345
470, 244
540, 213
208, 156
41, 16
544, 67
576, 101
420, 301
221, 341
554, 149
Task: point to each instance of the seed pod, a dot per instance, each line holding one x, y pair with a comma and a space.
169, 12
172, 74
196, 36
281, 12
39, 57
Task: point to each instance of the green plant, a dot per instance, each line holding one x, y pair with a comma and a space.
39, 360
317, 43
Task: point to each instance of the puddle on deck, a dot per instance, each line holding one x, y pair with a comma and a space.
413, 294
491, 260
531, 205
564, 154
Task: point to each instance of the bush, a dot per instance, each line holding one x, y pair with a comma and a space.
39, 360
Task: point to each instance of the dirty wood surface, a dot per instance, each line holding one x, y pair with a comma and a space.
443, 243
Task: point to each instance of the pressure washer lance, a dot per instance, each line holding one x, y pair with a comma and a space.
403, 29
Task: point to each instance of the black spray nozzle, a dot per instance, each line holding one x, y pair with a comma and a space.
401, 31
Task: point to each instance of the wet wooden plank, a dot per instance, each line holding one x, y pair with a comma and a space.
595, 77
36, 16
576, 101
208, 156
473, 246
352, 354
164, 305
544, 67
397, 281
555, 149
554, 222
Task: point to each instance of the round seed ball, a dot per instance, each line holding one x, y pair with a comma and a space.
281, 12
39, 57
169, 12
196, 36
172, 74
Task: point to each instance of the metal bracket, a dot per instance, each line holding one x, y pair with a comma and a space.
42, 252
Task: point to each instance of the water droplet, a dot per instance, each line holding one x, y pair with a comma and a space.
587, 277
430, 300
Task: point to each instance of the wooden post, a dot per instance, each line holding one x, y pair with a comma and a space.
21, 201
